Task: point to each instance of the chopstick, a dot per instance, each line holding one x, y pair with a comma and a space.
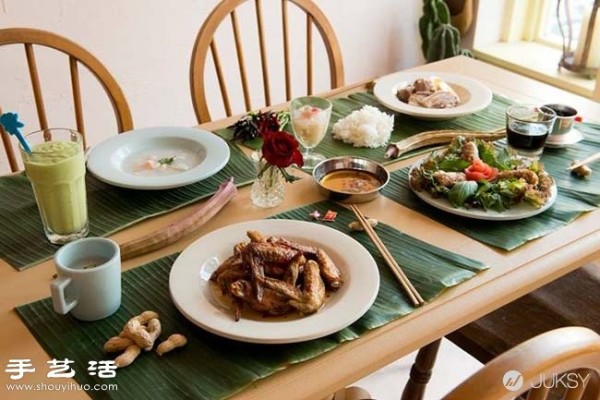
588, 160
412, 293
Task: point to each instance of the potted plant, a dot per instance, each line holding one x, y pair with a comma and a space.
440, 38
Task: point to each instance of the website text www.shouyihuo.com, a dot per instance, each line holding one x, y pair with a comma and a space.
60, 387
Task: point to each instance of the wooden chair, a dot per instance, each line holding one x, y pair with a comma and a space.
571, 300
574, 351
77, 55
206, 42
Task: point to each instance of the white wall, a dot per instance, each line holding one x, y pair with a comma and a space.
146, 44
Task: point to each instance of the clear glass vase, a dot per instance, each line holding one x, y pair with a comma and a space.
268, 189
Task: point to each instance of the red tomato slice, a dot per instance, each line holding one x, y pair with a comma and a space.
479, 170
475, 176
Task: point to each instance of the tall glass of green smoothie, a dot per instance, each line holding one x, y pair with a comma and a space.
56, 170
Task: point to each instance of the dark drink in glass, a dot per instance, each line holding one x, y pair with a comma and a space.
528, 137
527, 128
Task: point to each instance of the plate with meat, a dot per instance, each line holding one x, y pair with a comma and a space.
432, 95
473, 178
274, 281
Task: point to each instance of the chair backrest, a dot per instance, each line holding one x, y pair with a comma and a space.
567, 359
77, 55
206, 42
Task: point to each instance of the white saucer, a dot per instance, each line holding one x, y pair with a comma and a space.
564, 140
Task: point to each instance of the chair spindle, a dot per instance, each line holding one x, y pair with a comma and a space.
309, 52
286, 49
35, 83
241, 62
77, 98
576, 393
220, 78
8, 148
263, 53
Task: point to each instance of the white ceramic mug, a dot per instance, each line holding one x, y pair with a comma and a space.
88, 284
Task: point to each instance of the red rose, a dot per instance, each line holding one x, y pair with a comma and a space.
281, 149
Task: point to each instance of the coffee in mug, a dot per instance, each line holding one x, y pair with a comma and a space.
88, 282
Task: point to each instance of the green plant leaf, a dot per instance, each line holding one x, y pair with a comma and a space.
426, 30
443, 12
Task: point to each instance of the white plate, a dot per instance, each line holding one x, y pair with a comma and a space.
519, 211
112, 161
473, 95
565, 140
192, 294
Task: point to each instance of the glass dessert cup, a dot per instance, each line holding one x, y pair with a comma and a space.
310, 118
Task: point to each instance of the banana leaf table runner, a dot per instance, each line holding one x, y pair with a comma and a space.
211, 367
575, 196
491, 118
109, 208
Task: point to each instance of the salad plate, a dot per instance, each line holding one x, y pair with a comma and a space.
518, 211
193, 295
504, 187
473, 95
158, 158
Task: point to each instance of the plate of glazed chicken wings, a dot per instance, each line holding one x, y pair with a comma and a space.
274, 281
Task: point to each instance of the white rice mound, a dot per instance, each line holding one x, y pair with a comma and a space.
367, 127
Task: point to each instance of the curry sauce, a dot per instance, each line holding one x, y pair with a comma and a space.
351, 181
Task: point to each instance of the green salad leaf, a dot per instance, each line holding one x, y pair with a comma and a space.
453, 164
461, 191
488, 196
491, 201
497, 158
511, 188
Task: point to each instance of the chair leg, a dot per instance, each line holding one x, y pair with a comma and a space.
420, 373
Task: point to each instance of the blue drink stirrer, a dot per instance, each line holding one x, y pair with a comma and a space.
10, 122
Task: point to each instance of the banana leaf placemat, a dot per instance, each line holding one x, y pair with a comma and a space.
575, 196
211, 367
491, 118
110, 208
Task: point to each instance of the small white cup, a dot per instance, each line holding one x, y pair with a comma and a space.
89, 279
565, 118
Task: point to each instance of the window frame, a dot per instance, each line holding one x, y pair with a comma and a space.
526, 20
523, 22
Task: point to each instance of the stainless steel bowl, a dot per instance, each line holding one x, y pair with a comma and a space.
350, 163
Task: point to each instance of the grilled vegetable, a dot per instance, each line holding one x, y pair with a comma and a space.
172, 233
429, 138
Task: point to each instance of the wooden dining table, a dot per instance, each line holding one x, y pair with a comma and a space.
512, 273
